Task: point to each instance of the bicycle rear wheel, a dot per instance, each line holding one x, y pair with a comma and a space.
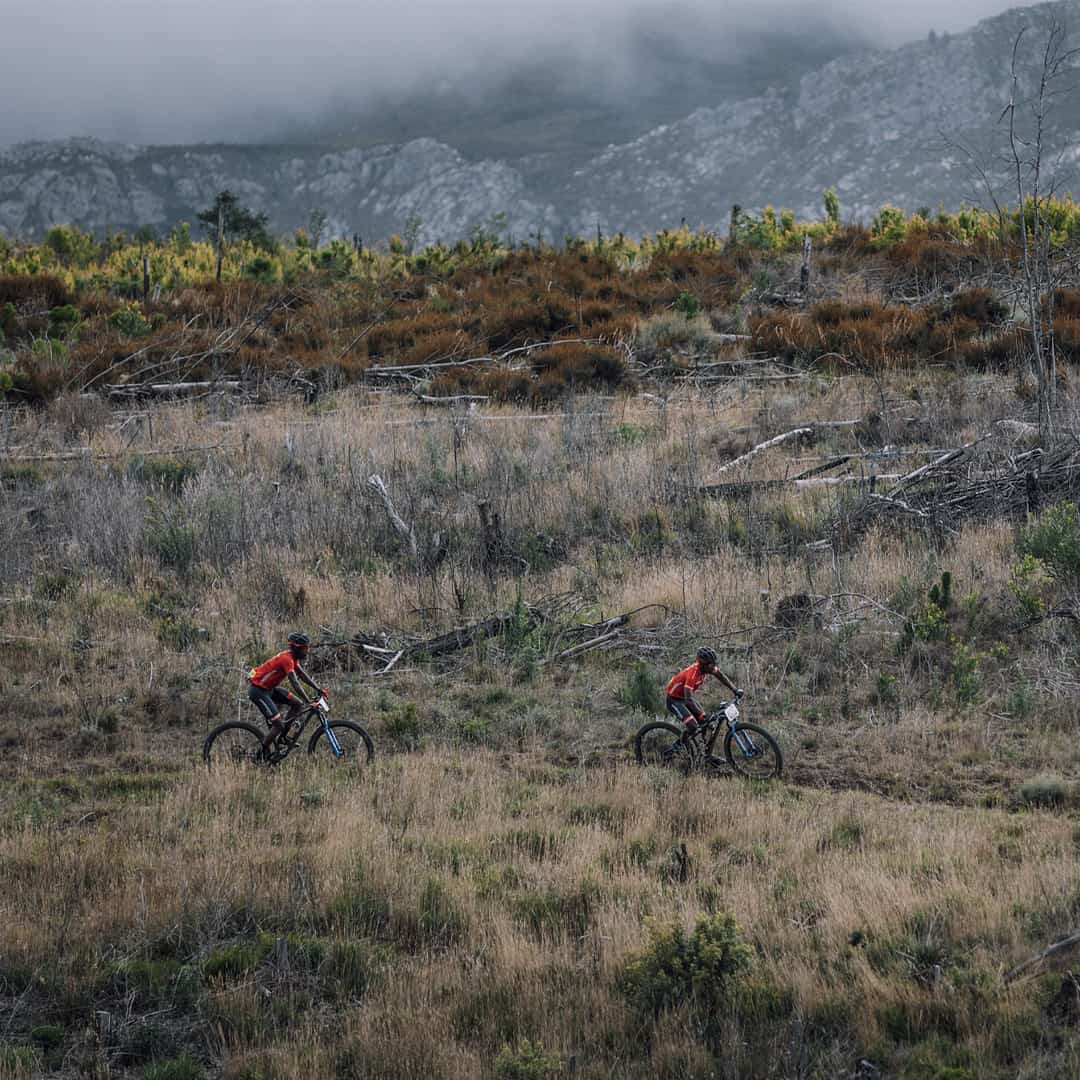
661, 744
353, 741
752, 752
233, 743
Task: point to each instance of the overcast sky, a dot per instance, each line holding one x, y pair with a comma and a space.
196, 70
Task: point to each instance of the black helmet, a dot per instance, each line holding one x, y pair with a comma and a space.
706, 655
299, 640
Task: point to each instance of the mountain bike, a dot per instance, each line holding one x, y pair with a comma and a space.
241, 743
750, 750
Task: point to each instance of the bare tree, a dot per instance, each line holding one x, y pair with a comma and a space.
1035, 188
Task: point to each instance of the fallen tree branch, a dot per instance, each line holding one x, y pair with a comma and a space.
450, 399
585, 646
832, 463
775, 441
1057, 613
127, 391
900, 505
1065, 945
723, 491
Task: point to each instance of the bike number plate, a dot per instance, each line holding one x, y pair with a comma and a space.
732, 713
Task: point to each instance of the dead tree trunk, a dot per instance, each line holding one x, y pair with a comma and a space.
493, 536
220, 240
804, 272
404, 530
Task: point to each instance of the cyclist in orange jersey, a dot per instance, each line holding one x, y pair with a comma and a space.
265, 692
680, 690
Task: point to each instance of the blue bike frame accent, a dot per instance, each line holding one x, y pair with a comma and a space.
334, 744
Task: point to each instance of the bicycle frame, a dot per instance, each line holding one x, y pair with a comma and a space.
727, 714
319, 707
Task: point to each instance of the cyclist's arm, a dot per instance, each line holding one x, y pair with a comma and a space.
725, 680
296, 686
308, 679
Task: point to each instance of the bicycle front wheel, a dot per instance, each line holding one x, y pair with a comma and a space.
353, 742
752, 752
661, 744
233, 743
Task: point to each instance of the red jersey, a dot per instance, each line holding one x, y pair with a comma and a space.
275, 669
687, 681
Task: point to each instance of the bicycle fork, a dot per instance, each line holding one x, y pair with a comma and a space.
334, 744
746, 744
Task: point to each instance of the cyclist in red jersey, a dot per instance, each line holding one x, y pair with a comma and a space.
680, 690
265, 692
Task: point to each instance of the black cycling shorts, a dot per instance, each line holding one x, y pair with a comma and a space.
684, 708
267, 701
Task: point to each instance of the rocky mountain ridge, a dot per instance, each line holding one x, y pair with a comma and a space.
879, 126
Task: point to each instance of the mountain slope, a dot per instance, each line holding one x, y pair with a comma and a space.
879, 126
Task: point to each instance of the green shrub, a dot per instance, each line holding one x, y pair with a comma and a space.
130, 321
1044, 791
1054, 539
172, 541
63, 319
404, 727
9, 319
687, 305
48, 1037
183, 1067
235, 961
702, 968
168, 473
1028, 585
526, 1061
641, 691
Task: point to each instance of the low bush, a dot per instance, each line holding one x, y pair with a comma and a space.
675, 968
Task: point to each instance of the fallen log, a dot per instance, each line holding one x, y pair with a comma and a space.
127, 391
832, 463
776, 440
585, 646
450, 399
1065, 945
795, 483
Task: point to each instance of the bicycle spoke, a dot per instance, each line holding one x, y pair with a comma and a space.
237, 746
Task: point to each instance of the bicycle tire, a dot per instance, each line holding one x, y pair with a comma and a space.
651, 741
246, 749
357, 745
772, 760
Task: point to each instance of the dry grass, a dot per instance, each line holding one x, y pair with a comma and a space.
487, 883
500, 900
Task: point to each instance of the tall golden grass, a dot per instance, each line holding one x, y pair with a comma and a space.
441, 909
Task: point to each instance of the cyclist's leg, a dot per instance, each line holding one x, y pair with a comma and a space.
681, 709
268, 703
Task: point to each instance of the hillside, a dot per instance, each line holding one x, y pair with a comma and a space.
868, 123
508, 492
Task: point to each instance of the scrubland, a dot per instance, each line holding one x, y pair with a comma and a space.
503, 893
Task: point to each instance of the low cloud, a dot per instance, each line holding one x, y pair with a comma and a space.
207, 70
